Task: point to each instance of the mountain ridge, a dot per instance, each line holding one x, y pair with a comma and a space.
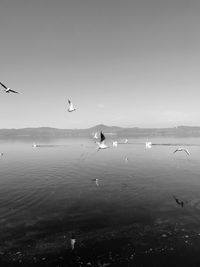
115, 130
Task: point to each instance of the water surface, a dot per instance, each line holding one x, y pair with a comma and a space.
48, 190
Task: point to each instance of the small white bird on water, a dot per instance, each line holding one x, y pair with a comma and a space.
34, 145
71, 107
8, 90
148, 144
115, 143
126, 159
182, 149
101, 144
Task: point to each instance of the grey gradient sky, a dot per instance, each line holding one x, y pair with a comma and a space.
127, 63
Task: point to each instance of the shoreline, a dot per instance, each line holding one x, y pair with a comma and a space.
157, 245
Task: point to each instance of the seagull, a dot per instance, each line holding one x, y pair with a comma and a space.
126, 141
73, 241
96, 181
71, 107
182, 149
34, 145
178, 201
115, 143
8, 90
101, 144
148, 144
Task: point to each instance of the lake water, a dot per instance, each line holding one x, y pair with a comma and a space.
48, 191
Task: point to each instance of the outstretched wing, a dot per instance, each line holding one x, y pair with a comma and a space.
71, 107
176, 150
14, 91
102, 137
3, 85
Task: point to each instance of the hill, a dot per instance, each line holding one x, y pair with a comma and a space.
180, 131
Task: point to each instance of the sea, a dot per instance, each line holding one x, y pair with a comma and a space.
126, 193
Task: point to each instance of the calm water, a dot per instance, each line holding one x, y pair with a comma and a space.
50, 189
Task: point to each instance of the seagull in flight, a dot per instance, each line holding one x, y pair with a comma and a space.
8, 90
182, 149
101, 144
71, 107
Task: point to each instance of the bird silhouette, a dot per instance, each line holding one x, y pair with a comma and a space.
8, 90
179, 202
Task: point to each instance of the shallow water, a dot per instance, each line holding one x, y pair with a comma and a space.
49, 189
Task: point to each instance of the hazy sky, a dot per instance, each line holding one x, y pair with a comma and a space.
121, 62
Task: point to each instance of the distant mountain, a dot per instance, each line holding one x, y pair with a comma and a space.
179, 131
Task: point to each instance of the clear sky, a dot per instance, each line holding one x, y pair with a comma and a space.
121, 62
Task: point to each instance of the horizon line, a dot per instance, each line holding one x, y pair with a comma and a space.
99, 125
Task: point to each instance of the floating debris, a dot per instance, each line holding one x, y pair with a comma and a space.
73, 241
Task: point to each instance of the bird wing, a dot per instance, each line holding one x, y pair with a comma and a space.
176, 150
3, 85
102, 137
71, 106
186, 150
14, 91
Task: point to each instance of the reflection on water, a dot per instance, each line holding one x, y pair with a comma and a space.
54, 186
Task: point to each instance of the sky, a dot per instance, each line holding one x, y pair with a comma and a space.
130, 63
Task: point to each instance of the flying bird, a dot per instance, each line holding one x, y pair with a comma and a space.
182, 149
71, 107
178, 201
101, 144
126, 141
8, 90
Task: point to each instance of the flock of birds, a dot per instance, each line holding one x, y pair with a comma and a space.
101, 145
